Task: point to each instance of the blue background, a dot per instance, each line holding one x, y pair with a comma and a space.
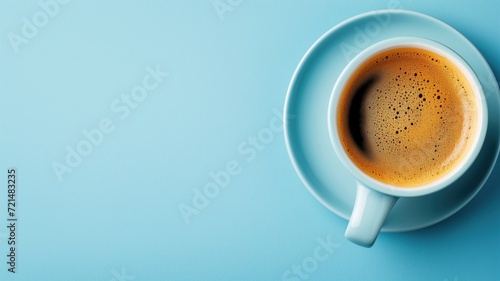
116, 215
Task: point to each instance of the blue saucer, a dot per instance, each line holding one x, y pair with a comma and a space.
307, 138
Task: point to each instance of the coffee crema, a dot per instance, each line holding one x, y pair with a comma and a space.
407, 116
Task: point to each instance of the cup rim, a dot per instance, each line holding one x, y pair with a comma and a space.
450, 176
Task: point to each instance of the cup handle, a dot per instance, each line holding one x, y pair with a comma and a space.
369, 213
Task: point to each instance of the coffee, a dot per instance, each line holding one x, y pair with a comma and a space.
407, 116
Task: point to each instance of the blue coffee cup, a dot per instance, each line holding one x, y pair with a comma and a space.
375, 198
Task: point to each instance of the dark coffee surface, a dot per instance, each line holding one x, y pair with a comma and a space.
406, 117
